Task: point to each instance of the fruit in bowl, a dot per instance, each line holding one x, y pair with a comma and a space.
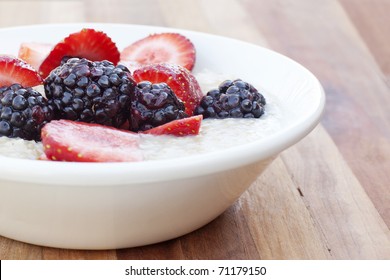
189, 158
84, 83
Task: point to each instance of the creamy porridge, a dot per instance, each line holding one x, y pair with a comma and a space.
215, 134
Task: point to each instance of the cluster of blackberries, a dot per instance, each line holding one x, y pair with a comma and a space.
23, 112
92, 92
232, 99
86, 91
100, 92
153, 105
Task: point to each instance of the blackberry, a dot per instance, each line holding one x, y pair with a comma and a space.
232, 99
92, 92
153, 105
23, 112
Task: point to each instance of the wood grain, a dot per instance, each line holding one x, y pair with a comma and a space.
336, 207
328, 196
356, 91
372, 22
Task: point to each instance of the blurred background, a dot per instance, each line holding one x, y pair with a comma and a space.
229, 18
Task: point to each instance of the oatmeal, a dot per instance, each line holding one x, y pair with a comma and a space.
216, 134
213, 135
19, 148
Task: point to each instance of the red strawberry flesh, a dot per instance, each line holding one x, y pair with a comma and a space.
182, 127
178, 78
66, 140
14, 70
88, 43
158, 48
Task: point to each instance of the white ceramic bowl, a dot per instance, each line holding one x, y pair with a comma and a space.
118, 205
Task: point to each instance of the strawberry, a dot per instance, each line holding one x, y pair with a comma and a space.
157, 48
178, 78
16, 71
34, 53
181, 127
66, 140
88, 43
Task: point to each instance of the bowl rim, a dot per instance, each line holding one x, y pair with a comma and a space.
121, 173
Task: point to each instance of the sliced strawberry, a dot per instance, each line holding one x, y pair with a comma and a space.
158, 48
66, 140
178, 78
182, 127
88, 43
14, 70
34, 53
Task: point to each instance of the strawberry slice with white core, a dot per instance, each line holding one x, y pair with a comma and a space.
158, 48
66, 140
88, 43
16, 71
181, 127
34, 53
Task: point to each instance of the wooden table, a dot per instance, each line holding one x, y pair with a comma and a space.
327, 197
